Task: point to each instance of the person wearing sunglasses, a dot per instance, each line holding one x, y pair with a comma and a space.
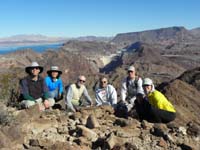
74, 95
105, 94
130, 91
34, 89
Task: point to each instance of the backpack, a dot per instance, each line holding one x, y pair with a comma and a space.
133, 89
135, 82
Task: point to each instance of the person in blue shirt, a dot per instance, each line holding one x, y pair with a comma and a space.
54, 83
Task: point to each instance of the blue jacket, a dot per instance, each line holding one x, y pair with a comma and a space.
53, 85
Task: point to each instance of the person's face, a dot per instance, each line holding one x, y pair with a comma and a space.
147, 88
81, 80
131, 74
35, 71
103, 82
54, 74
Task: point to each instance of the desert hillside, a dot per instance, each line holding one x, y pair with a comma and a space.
170, 56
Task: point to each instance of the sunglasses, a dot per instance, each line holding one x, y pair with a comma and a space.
81, 80
35, 68
103, 81
130, 71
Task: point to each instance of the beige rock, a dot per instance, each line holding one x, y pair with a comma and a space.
83, 119
5, 141
113, 140
14, 133
162, 143
88, 133
92, 122
63, 130
126, 132
84, 141
146, 125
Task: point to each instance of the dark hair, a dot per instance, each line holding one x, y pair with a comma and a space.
102, 77
50, 75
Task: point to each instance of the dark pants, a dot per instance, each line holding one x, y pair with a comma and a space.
148, 112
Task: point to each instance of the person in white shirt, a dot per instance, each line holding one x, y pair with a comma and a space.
131, 87
105, 94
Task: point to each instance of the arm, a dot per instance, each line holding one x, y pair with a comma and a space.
60, 85
113, 93
139, 87
85, 93
25, 92
97, 98
68, 99
123, 91
45, 90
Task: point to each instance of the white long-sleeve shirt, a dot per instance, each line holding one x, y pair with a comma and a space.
129, 93
106, 96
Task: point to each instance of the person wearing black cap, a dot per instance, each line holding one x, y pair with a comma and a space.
54, 83
34, 89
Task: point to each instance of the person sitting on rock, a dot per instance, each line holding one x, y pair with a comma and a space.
54, 83
155, 107
105, 94
131, 87
74, 94
34, 89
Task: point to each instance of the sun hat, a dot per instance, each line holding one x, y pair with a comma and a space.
33, 65
54, 69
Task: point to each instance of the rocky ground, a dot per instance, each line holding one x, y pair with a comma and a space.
92, 128
170, 62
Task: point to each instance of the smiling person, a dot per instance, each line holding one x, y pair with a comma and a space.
156, 107
74, 94
131, 87
105, 94
54, 83
34, 89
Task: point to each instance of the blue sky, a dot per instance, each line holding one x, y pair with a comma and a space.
73, 18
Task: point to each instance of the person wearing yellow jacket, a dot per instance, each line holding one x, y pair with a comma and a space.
155, 107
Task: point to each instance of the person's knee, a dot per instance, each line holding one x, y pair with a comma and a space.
27, 104
51, 101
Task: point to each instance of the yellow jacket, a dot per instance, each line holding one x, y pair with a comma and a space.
158, 100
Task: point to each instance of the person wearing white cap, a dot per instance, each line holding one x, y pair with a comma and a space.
131, 87
54, 83
156, 107
34, 89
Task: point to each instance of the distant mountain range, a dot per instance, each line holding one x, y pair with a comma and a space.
163, 36
24, 39
29, 40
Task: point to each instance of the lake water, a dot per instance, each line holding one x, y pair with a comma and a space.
37, 48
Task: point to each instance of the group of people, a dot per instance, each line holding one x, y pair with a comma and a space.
136, 93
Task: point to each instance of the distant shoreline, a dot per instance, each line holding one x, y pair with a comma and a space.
35, 47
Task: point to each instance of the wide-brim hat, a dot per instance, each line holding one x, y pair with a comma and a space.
33, 65
54, 69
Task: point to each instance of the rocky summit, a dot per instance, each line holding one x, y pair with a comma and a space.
169, 56
93, 128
